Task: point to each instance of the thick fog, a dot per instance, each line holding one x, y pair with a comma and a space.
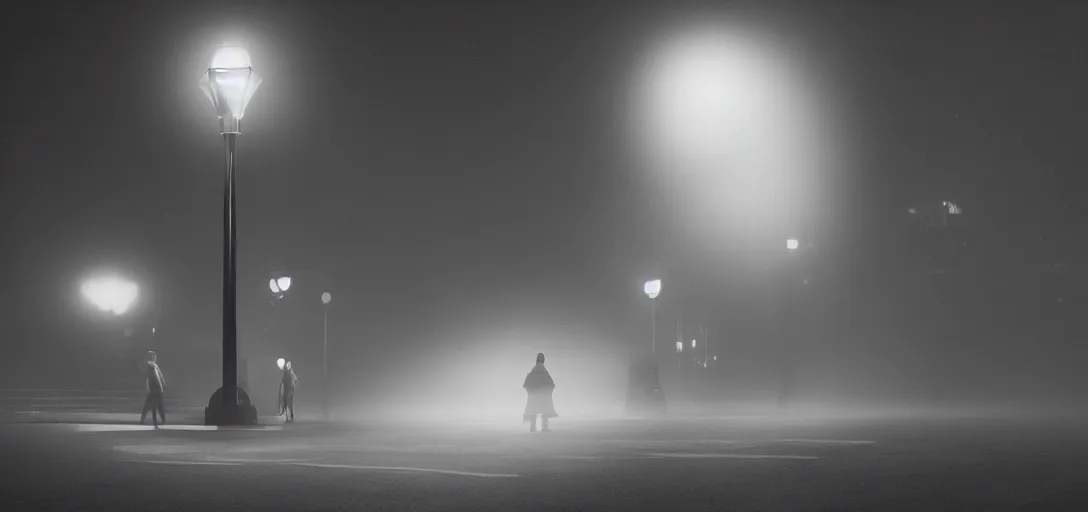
496, 192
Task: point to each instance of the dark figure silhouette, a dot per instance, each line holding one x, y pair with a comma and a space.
539, 385
156, 384
287, 392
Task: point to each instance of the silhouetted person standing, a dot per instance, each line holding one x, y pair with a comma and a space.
287, 392
539, 385
156, 383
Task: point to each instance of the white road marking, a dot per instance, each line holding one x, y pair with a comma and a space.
727, 456
90, 427
398, 469
824, 441
187, 462
100, 427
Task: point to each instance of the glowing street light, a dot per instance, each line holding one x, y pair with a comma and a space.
652, 290
230, 83
793, 244
326, 298
679, 347
280, 362
110, 294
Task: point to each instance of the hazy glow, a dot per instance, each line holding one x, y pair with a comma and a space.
227, 57
110, 294
679, 346
273, 286
284, 283
652, 288
737, 122
693, 343
280, 362
792, 244
326, 298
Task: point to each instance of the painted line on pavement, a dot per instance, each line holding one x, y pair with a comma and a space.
106, 427
400, 469
727, 456
824, 441
186, 462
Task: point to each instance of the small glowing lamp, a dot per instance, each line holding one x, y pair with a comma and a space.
652, 288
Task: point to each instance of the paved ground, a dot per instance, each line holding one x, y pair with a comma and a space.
707, 464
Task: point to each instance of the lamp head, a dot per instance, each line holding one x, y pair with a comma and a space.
230, 83
284, 283
652, 288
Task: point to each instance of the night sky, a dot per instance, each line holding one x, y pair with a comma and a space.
450, 168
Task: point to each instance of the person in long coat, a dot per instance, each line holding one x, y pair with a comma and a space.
287, 392
156, 384
539, 385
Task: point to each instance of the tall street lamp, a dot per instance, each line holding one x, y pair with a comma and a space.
230, 83
326, 298
652, 290
793, 246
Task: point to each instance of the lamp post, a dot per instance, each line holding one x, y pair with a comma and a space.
230, 83
793, 246
326, 298
652, 290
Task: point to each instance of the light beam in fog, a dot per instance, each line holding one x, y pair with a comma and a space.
111, 294
736, 125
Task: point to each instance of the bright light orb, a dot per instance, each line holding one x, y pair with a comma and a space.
280, 362
284, 283
792, 244
652, 288
679, 346
692, 343
273, 286
326, 298
110, 294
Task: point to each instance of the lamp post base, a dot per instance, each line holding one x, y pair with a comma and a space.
242, 413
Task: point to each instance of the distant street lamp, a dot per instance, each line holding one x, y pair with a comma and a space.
280, 362
793, 244
652, 290
230, 83
326, 298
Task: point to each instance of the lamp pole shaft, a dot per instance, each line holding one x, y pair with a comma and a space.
230, 245
653, 327
325, 363
325, 344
